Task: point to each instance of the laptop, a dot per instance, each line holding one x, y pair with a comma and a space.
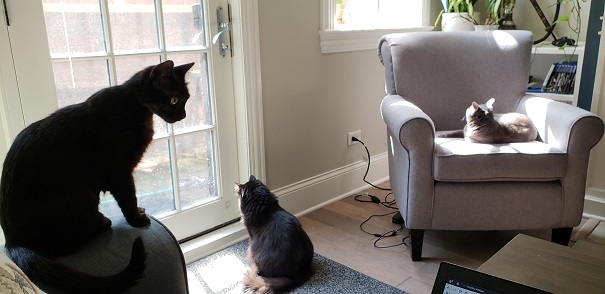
453, 278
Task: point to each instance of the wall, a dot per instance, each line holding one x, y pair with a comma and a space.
525, 17
312, 100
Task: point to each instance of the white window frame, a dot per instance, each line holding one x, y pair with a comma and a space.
334, 40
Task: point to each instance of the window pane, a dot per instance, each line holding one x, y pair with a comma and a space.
378, 14
77, 80
357, 14
184, 23
198, 108
133, 24
129, 65
196, 165
73, 27
153, 183
391, 13
153, 179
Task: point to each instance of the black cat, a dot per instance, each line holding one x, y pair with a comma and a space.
280, 251
57, 166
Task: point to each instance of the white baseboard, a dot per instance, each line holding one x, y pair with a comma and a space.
299, 199
311, 194
594, 204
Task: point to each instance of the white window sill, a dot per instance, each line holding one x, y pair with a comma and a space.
332, 41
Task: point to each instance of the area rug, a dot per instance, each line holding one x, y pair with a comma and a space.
222, 272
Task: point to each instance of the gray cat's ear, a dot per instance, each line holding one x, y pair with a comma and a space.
490, 103
238, 189
163, 69
252, 178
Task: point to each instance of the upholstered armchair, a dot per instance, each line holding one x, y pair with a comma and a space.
109, 252
452, 184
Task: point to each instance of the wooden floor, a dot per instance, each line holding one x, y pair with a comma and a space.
335, 232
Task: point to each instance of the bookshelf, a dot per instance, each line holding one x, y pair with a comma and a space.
543, 56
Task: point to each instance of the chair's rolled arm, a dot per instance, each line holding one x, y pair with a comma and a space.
556, 121
411, 135
397, 112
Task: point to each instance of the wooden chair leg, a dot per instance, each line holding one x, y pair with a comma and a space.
561, 236
416, 236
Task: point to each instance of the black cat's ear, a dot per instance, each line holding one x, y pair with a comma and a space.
181, 70
252, 178
163, 69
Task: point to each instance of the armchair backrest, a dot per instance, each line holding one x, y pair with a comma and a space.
443, 72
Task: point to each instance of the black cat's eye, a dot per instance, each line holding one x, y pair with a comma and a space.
174, 100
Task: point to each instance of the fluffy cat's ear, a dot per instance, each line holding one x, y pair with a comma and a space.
163, 69
252, 178
181, 70
475, 105
490, 103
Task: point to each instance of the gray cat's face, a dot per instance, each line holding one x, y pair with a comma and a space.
477, 111
253, 195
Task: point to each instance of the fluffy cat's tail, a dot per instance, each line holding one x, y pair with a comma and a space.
47, 270
253, 283
450, 134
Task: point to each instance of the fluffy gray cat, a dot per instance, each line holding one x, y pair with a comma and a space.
280, 251
483, 126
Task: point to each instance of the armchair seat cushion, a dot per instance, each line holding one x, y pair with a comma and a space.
457, 160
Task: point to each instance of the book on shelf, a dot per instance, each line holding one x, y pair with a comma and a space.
560, 78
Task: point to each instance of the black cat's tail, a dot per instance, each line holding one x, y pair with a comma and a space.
253, 283
40, 268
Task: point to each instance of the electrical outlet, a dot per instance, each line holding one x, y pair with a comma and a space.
356, 134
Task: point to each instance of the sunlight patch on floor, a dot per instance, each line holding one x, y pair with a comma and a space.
220, 274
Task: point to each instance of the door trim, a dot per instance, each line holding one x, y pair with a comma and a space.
248, 89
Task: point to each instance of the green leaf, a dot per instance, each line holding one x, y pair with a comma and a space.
439, 17
564, 18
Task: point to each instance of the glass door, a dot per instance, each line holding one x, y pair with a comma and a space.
186, 176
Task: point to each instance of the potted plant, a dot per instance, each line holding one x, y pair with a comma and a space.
457, 15
494, 15
494, 12
340, 8
576, 26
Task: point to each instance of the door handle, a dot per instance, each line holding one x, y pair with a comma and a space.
224, 26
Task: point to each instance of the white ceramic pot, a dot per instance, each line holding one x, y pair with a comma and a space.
458, 21
486, 27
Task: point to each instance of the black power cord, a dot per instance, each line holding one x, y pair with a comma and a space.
375, 199
387, 234
386, 203
368, 168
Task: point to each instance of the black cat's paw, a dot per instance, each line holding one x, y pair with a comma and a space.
105, 222
139, 219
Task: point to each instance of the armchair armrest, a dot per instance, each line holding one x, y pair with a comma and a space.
557, 122
399, 115
411, 135
575, 131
